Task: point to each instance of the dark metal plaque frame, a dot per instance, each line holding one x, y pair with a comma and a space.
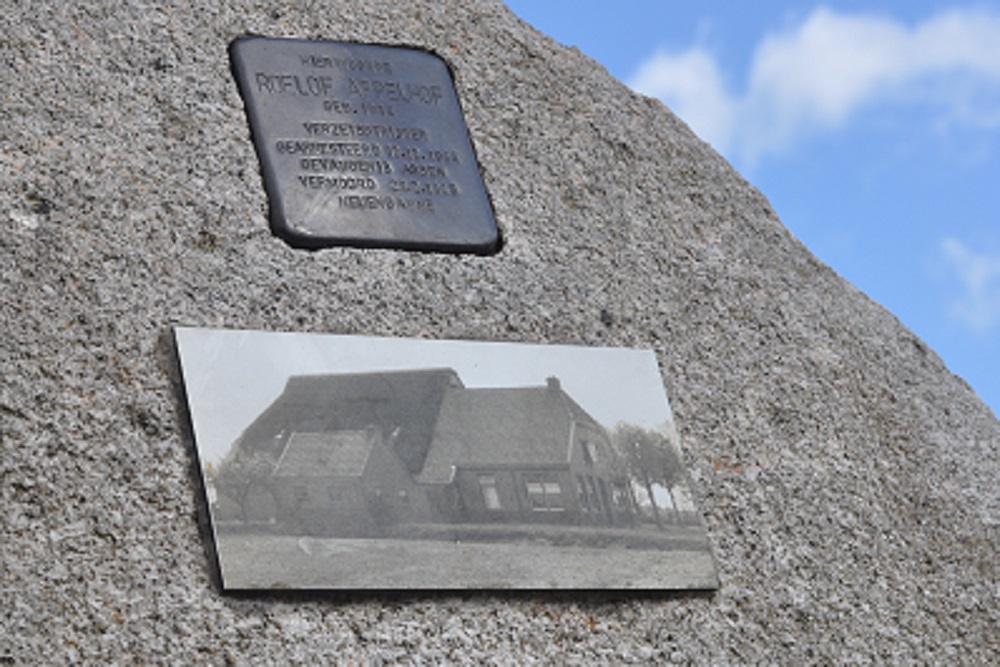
362, 145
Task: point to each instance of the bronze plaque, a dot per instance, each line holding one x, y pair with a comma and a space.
362, 145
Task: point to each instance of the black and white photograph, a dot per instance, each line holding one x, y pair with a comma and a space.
353, 462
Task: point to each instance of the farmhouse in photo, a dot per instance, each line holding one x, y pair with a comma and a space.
353, 454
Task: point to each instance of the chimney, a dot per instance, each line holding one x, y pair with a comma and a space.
553, 382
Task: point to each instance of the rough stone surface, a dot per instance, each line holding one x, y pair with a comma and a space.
848, 479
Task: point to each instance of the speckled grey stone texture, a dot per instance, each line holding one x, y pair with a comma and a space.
848, 479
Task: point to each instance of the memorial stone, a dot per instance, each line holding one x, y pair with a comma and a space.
849, 481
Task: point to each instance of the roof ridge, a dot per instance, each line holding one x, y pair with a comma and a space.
397, 371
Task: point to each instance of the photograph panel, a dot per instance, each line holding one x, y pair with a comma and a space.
351, 462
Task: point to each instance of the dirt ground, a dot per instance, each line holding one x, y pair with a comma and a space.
274, 561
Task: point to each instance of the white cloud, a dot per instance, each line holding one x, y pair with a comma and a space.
815, 76
693, 86
979, 305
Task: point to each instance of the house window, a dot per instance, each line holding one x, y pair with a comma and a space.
595, 499
619, 494
589, 453
605, 496
488, 486
544, 493
581, 489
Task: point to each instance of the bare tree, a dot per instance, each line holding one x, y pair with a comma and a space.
237, 477
650, 459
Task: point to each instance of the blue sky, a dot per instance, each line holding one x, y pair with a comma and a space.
872, 127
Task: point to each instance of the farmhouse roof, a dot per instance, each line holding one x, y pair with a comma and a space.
333, 454
430, 419
502, 427
401, 404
